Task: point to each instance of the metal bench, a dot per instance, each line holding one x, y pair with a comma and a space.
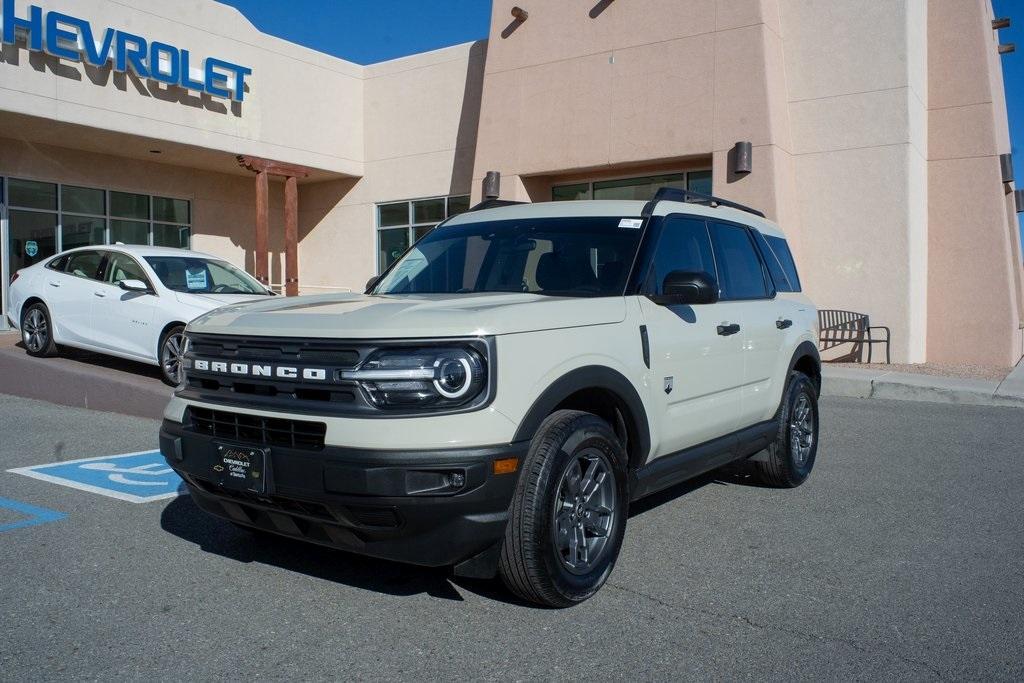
849, 327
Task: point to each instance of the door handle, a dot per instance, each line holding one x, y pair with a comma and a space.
783, 323
726, 329
100, 293
54, 284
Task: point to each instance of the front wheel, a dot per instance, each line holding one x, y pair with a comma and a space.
37, 331
790, 458
568, 515
172, 356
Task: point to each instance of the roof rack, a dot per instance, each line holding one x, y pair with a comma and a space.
673, 194
493, 203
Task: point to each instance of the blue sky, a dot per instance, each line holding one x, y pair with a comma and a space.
368, 31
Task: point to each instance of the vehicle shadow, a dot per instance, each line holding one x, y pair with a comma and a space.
184, 519
100, 360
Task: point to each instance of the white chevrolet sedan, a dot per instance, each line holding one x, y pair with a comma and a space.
127, 301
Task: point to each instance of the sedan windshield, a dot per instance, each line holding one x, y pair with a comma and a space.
203, 276
578, 256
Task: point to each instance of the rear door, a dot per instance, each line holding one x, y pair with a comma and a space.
67, 290
124, 321
696, 361
747, 288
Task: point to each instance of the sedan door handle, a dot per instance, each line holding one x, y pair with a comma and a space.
100, 293
726, 329
54, 284
783, 323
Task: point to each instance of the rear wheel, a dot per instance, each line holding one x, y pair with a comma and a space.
172, 356
37, 331
791, 456
568, 515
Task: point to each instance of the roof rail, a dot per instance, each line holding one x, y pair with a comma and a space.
672, 194
493, 204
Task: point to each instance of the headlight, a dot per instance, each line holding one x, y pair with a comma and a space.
423, 377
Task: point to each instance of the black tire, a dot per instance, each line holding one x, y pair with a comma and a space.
165, 375
789, 459
37, 331
531, 563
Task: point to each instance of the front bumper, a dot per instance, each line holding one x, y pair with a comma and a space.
381, 503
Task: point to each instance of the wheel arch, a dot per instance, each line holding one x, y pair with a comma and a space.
163, 332
602, 391
807, 360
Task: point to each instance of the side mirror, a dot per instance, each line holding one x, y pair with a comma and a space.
133, 285
372, 282
684, 287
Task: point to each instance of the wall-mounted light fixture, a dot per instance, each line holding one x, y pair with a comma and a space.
1007, 48
492, 185
1006, 167
1000, 22
743, 158
520, 14
1018, 199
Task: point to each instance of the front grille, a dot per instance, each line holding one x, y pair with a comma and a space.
225, 347
255, 429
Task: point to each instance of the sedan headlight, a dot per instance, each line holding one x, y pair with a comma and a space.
445, 377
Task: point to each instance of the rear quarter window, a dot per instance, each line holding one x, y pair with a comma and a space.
779, 248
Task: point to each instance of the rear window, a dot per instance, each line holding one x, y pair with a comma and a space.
780, 250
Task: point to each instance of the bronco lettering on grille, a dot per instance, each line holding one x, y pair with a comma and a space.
260, 370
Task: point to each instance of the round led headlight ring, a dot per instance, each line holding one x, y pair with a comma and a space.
454, 376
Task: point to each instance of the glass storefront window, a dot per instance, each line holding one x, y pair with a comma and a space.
171, 235
129, 232
33, 237
393, 243
82, 200
170, 210
640, 188
400, 224
82, 231
29, 194
125, 205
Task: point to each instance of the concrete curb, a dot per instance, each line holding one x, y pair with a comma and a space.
904, 386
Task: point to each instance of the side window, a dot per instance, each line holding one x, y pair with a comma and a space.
682, 245
778, 274
780, 249
123, 267
84, 264
59, 263
741, 275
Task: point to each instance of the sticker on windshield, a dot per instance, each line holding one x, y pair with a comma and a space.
195, 278
631, 223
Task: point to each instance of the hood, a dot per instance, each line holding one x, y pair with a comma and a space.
209, 301
357, 316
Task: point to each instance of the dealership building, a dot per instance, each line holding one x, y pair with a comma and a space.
876, 130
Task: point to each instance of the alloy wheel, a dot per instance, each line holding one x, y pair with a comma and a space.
35, 331
801, 429
172, 357
584, 511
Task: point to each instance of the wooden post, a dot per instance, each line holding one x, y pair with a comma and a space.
291, 236
262, 227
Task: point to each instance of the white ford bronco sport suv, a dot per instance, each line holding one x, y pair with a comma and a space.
499, 396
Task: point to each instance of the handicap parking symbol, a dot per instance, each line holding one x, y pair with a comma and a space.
135, 477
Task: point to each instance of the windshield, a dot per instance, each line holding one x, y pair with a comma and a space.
578, 256
203, 276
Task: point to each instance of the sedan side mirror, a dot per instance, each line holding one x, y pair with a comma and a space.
133, 285
684, 287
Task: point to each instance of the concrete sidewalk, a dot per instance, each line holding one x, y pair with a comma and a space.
906, 386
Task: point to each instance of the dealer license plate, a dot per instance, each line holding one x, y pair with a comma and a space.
240, 467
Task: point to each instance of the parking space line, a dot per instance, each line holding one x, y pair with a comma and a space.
36, 515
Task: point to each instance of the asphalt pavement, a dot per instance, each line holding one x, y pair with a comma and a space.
901, 558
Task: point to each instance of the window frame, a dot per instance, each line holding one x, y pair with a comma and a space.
106, 217
410, 225
100, 266
656, 241
105, 266
769, 284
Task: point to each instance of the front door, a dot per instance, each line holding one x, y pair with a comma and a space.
696, 359
123, 320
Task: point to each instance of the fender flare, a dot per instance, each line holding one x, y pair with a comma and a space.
804, 350
634, 413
